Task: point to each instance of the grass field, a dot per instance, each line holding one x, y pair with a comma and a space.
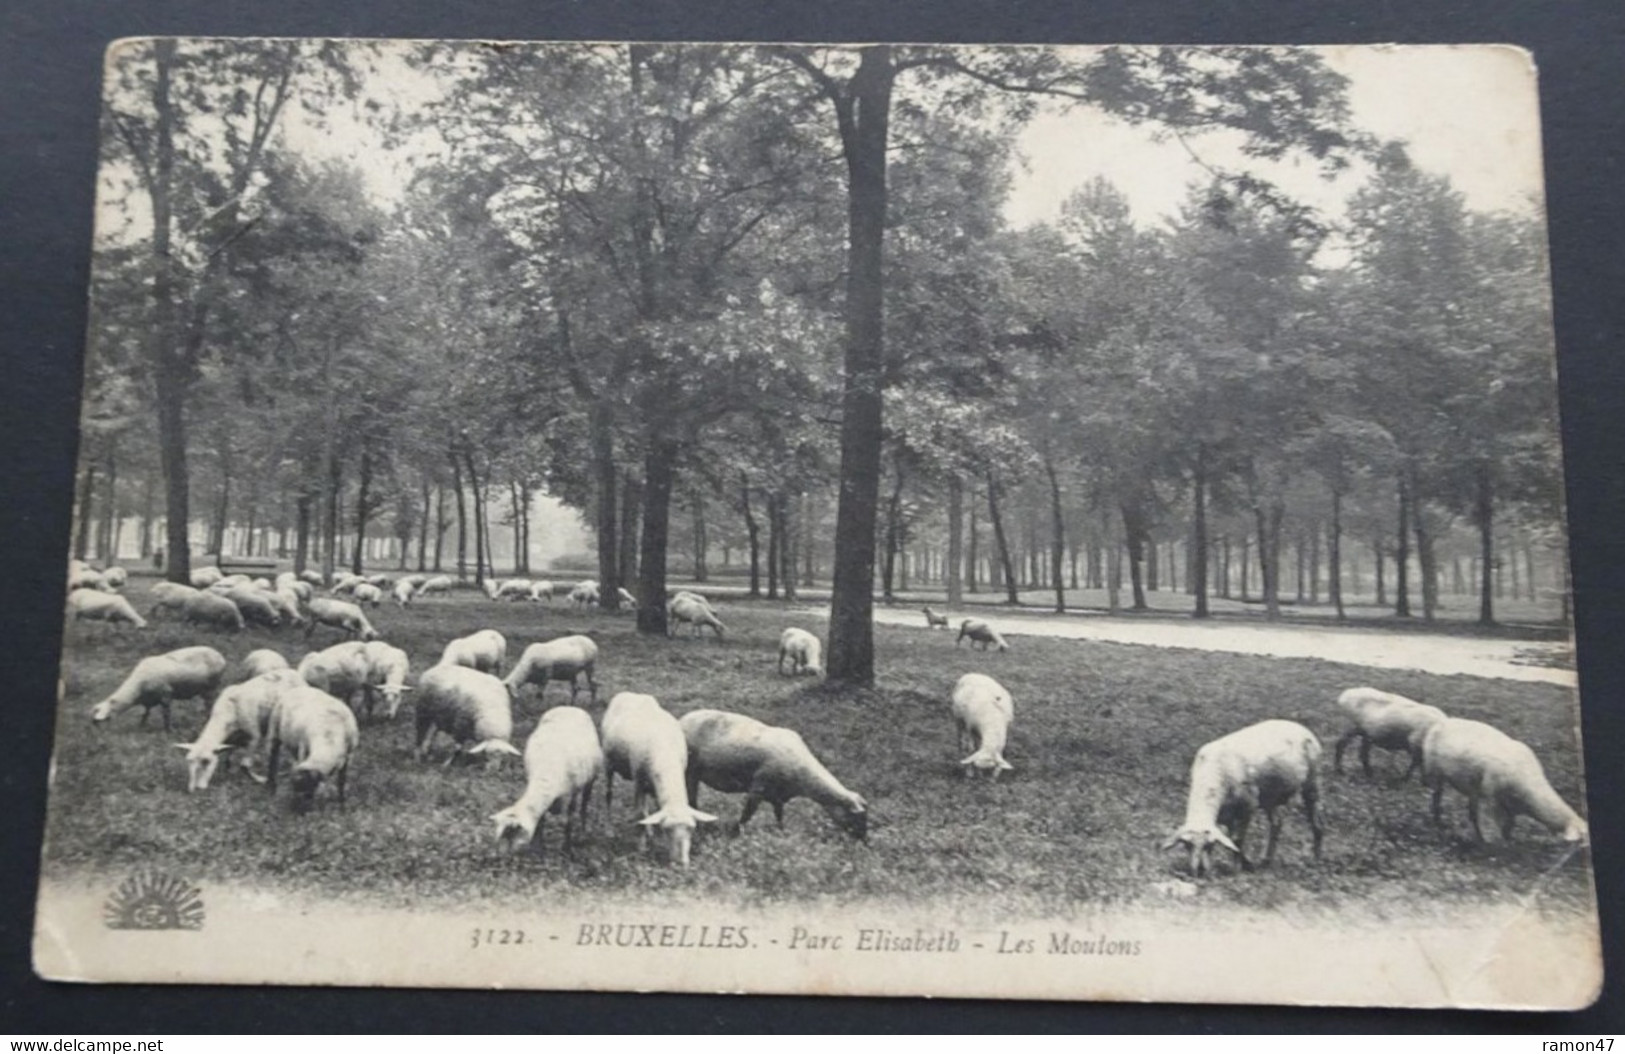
1101, 745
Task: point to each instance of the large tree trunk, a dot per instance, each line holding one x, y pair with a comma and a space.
787, 547
1057, 541
956, 516
630, 512
775, 538
462, 518
864, 120
301, 551
517, 505
146, 515
1334, 556
1268, 517
1427, 566
607, 481
753, 534
330, 516
1134, 536
363, 509
1402, 554
478, 500
1114, 561
423, 527
894, 531
1008, 571
659, 471
1199, 530
107, 540
971, 556
809, 572
697, 504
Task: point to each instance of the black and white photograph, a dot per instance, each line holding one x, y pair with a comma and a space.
1027, 522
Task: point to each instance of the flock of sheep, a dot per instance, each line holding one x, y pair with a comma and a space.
310, 713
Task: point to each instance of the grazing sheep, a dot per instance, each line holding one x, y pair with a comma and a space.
204, 577
341, 671
184, 673
414, 580
982, 707
980, 633
402, 592
212, 610
97, 606
169, 597
285, 580
116, 578
471, 707
312, 578
255, 606
564, 659
85, 578
320, 733
934, 620
1381, 719
241, 717
387, 668
1484, 763
286, 605
624, 599
733, 753
262, 583
262, 661
486, 651
379, 582
1259, 767
339, 614
345, 582
302, 591
541, 591
437, 584
645, 744
510, 589
236, 580
584, 594
563, 759
803, 650
367, 593
695, 612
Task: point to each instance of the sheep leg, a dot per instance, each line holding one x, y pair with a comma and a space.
1342, 742
1365, 755
1274, 818
778, 813
609, 792
343, 777
1416, 763
1438, 799
425, 740
273, 758
1472, 816
592, 683
1311, 811
752, 801
1505, 818
1239, 827
781, 662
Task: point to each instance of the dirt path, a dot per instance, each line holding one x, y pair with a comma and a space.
1429, 653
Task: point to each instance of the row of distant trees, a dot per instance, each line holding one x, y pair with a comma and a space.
748, 291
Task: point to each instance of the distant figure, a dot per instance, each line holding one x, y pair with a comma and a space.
934, 620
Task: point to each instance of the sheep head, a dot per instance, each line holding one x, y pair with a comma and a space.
677, 823
514, 829
1200, 843
201, 762
494, 750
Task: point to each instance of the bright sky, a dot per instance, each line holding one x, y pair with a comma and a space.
1469, 112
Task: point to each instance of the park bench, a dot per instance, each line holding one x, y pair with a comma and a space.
245, 565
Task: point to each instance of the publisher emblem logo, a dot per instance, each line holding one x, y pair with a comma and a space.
153, 900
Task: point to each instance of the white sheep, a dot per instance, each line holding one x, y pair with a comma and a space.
437, 584
98, 606
169, 597
1389, 721
645, 744
312, 578
934, 620
695, 612
563, 659
240, 718
287, 606
320, 733
345, 582
204, 577
509, 589
255, 606
403, 591
212, 610
238, 579
1259, 767
625, 599
116, 578
380, 581
541, 590
736, 754
563, 759
471, 707
159, 680
804, 651
414, 580
584, 594
285, 580
262, 583
981, 633
387, 669
982, 708
302, 591
367, 593
85, 578
261, 661
485, 650
1486, 764
341, 670
339, 614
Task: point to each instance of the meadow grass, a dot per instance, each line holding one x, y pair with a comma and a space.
1102, 743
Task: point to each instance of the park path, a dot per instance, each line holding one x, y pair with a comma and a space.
1427, 652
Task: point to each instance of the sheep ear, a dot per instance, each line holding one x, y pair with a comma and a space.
182, 746
702, 817
653, 819
1224, 840
222, 748
1174, 839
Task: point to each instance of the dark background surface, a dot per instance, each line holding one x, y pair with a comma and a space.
50, 67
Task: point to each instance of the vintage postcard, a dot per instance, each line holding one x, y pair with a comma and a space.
1104, 502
